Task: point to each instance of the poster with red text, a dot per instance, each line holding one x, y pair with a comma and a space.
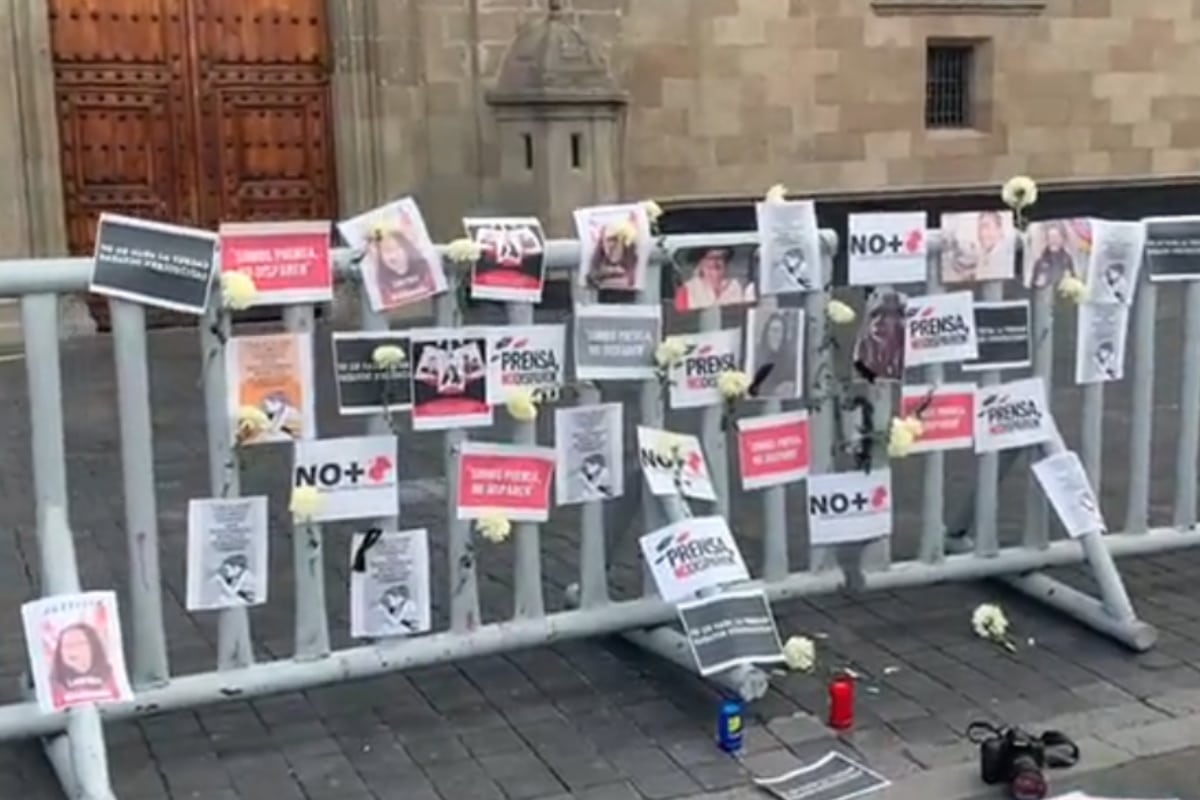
512, 481
773, 449
288, 261
947, 414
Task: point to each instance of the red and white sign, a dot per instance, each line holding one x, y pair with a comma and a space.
512, 481
887, 247
773, 450
947, 414
288, 261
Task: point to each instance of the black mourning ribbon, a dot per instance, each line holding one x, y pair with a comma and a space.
360, 555
759, 376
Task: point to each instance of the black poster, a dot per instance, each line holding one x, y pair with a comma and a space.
834, 777
449, 379
1173, 248
161, 265
362, 386
1002, 328
511, 264
729, 629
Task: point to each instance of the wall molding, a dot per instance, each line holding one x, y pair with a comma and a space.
959, 7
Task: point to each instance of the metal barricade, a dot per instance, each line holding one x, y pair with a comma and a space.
967, 549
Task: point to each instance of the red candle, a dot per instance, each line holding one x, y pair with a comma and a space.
841, 702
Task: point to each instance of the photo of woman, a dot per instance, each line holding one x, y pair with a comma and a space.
397, 611
81, 670
978, 246
776, 339
1056, 248
879, 346
399, 264
233, 583
718, 276
615, 246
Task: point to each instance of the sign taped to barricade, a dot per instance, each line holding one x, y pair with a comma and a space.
673, 463
512, 262
849, 506
227, 552
887, 247
590, 453
528, 357
449, 379
691, 556
946, 413
729, 629
390, 596
694, 377
1012, 415
616, 342
773, 449
355, 476
272, 374
363, 386
939, 328
509, 480
288, 261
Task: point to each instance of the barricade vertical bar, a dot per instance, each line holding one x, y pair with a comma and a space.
1041, 332
1189, 411
234, 647
1092, 434
308, 553
593, 555
774, 498
528, 600
877, 553
818, 364
933, 480
650, 404
1141, 426
987, 481
377, 424
464, 585
715, 451
148, 666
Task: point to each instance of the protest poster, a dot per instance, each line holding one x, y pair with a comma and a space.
355, 476
614, 246
449, 379
589, 453
946, 412
389, 595
790, 258
673, 463
400, 264
227, 552
879, 346
506, 479
978, 246
940, 328
694, 378
529, 357
1101, 332
1012, 415
616, 342
691, 556
364, 387
730, 629
1069, 490
849, 507
1056, 248
1115, 262
1173, 248
288, 261
717, 275
153, 263
776, 338
887, 247
512, 258
834, 777
75, 651
773, 450
1002, 332
272, 372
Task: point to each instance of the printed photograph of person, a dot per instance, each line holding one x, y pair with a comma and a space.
399, 264
615, 246
233, 583
1106, 365
879, 346
1114, 280
775, 338
978, 246
397, 610
715, 276
511, 261
80, 670
283, 417
1056, 248
593, 479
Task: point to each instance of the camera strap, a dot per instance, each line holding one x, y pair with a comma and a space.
1061, 751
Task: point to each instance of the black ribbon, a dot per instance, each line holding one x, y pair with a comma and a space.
372, 536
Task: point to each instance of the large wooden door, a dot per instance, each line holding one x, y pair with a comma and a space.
193, 111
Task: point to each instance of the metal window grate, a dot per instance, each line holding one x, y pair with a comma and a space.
948, 86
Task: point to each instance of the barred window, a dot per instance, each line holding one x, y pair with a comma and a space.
948, 72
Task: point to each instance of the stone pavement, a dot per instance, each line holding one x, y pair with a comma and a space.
592, 720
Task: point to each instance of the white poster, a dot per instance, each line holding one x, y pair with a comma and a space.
1012, 415
776, 339
694, 377
693, 555
589, 451
673, 463
614, 246
400, 264
389, 595
789, 256
849, 507
978, 246
887, 247
227, 553
355, 476
1115, 262
940, 328
1069, 491
1101, 330
528, 357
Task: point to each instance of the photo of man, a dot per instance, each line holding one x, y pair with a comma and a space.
978, 246
716, 276
233, 583
1056, 248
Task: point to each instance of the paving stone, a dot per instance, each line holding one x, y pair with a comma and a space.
609, 791
665, 785
714, 776
799, 728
